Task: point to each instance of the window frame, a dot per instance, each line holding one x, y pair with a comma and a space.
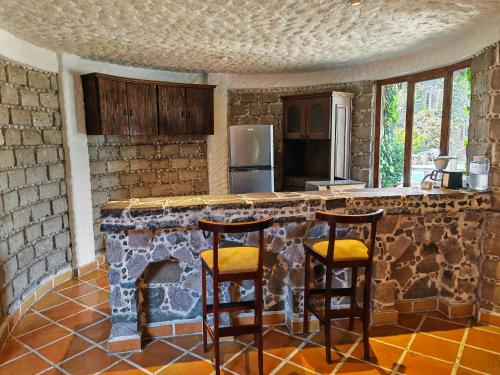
445, 72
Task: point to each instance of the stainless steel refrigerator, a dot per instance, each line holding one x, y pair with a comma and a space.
251, 164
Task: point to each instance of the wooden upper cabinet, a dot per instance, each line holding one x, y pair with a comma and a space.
123, 106
186, 110
199, 111
307, 116
318, 118
142, 109
171, 110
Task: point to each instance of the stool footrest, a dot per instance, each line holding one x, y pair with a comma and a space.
336, 292
238, 330
232, 306
337, 313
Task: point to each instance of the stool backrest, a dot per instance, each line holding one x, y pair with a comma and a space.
334, 219
244, 227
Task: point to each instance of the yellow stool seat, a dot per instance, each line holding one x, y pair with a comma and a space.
233, 259
347, 249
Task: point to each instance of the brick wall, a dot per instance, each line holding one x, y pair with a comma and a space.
484, 135
123, 167
264, 106
34, 234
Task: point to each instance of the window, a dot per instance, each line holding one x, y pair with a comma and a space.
419, 117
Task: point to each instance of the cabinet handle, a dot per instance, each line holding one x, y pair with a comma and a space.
124, 112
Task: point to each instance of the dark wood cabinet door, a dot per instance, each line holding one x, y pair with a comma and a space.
171, 110
142, 109
199, 110
113, 107
294, 119
318, 118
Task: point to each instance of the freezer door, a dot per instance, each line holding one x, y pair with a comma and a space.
251, 145
251, 181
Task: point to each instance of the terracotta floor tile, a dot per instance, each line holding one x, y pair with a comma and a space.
11, 350
104, 308
419, 364
185, 342
62, 311
49, 300
93, 275
434, 347
29, 364
44, 336
155, 355
89, 362
341, 340
82, 320
64, 348
484, 340
353, 366
344, 323
246, 339
391, 334
485, 327
443, 329
465, 371
313, 357
279, 344
246, 363
409, 320
290, 369
480, 360
79, 290
227, 350
52, 371
188, 365
94, 298
123, 368
98, 332
101, 282
67, 284
380, 354
30, 323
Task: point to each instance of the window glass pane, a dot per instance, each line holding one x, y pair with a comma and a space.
392, 144
293, 119
459, 119
426, 137
317, 118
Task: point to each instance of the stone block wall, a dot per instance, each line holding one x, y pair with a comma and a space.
485, 133
34, 234
124, 167
264, 106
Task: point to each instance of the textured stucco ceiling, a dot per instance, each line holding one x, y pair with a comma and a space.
240, 35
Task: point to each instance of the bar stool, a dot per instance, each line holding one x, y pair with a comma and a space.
341, 253
233, 264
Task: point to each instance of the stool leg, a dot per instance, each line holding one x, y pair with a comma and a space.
204, 303
366, 313
258, 313
216, 326
354, 281
307, 268
328, 306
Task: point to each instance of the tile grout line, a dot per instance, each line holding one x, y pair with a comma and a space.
292, 354
461, 349
41, 356
347, 355
408, 345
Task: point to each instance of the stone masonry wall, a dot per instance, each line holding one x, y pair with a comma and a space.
485, 133
264, 106
34, 234
124, 167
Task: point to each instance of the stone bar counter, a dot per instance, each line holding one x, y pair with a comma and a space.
426, 255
